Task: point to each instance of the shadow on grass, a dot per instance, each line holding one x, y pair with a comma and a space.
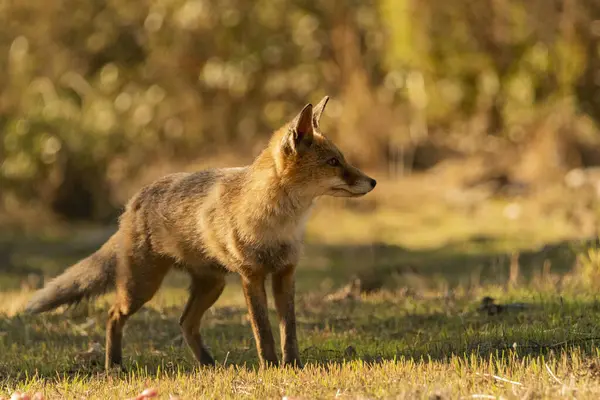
472, 262
476, 260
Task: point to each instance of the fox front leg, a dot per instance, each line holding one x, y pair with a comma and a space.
284, 294
256, 299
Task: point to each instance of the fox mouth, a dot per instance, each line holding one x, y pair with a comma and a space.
345, 192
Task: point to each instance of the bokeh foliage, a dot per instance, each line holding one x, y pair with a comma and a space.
91, 91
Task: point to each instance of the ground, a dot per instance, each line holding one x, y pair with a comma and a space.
389, 306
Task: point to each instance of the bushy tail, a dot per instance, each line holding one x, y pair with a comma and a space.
90, 277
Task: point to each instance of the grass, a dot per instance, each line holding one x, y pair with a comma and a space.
392, 344
411, 342
416, 332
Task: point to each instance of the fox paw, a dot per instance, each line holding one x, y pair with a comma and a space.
293, 363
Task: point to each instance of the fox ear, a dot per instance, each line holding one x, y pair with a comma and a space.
318, 111
300, 133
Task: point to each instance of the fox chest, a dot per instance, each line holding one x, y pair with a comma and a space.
248, 245
237, 254
270, 251
271, 257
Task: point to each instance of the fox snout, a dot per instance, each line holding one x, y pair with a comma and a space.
354, 183
363, 184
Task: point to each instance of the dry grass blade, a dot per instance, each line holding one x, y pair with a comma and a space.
552, 375
501, 379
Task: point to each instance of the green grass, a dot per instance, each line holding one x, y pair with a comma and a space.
418, 334
411, 342
403, 345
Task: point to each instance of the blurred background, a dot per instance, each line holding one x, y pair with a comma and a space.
479, 118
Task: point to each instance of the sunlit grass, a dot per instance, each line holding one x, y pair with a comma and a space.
401, 344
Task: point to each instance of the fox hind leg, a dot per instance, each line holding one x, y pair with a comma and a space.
204, 292
132, 292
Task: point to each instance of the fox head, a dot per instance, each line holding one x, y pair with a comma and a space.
310, 164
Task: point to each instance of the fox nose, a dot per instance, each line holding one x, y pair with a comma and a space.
373, 183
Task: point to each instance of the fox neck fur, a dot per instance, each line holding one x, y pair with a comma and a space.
269, 204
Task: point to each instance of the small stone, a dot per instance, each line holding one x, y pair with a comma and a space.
350, 351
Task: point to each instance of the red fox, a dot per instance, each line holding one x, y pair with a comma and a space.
247, 220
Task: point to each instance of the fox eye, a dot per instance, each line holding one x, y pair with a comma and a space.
334, 162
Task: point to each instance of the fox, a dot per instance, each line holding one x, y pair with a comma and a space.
211, 223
